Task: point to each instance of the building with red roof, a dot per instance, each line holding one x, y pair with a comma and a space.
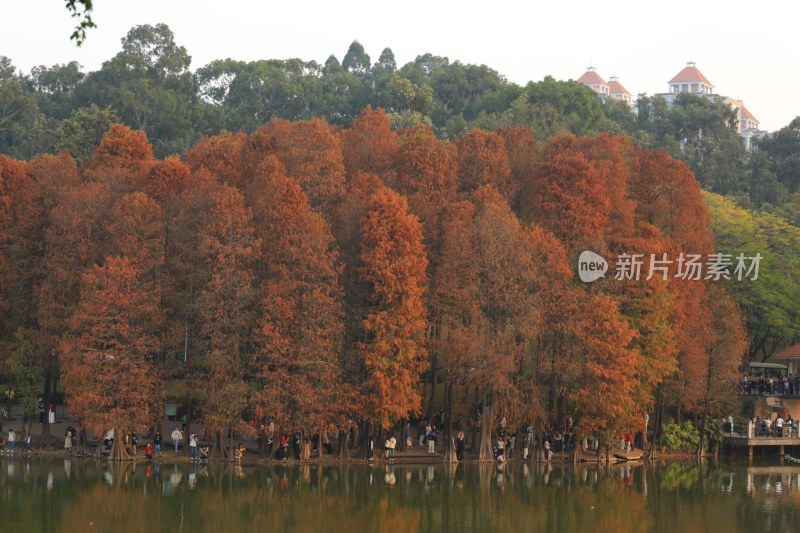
748, 127
690, 80
594, 81
618, 92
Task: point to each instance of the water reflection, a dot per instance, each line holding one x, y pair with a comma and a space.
42, 495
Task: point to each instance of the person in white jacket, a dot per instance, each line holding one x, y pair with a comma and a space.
177, 437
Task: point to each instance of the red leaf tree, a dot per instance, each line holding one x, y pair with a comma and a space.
227, 309
107, 365
393, 263
300, 332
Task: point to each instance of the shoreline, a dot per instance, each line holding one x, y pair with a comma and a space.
253, 459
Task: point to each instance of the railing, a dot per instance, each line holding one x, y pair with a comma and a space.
791, 390
751, 430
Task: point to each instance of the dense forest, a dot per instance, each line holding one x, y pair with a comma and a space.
373, 242
148, 86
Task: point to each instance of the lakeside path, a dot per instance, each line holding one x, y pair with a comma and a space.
416, 455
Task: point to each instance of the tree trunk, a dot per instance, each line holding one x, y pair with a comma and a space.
539, 448
577, 438
46, 400
657, 425
188, 430
218, 453
344, 438
429, 413
485, 454
118, 451
262, 443
320, 447
402, 434
472, 449
449, 445
701, 444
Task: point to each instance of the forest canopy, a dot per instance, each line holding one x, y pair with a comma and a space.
312, 274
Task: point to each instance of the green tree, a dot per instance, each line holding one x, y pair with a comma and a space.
783, 149
563, 106
55, 88
150, 86
22, 127
81, 133
356, 60
771, 308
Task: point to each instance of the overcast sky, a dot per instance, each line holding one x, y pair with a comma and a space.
747, 50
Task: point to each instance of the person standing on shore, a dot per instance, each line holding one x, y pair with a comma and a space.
527, 444
370, 448
12, 437
177, 436
460, 446
67, 440
432, 440
157, 442
392, 445
192, 446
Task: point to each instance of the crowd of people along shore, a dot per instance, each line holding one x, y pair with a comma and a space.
423, 436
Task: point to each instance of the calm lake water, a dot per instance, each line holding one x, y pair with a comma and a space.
78, 496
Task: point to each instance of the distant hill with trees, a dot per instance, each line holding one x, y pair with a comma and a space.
149, 86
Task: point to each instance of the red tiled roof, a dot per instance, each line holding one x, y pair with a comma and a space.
790, 352
591, 77
745, 114
615, 87
688, 75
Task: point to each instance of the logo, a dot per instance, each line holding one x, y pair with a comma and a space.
632, 266
591, 267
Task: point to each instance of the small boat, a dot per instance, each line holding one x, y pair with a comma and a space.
633, 455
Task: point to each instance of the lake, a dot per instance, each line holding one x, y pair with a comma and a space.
83, 495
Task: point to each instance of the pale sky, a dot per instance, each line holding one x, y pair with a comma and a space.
748, 50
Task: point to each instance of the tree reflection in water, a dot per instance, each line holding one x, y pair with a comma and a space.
43, 495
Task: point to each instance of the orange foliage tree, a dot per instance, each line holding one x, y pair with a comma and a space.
300, 330
122, 154
221, 155
107, 365
482, 160
369, 144
509, 276
226, 308
311, 153
565, 194
393, 263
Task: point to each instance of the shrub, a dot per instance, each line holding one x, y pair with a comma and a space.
683, 437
